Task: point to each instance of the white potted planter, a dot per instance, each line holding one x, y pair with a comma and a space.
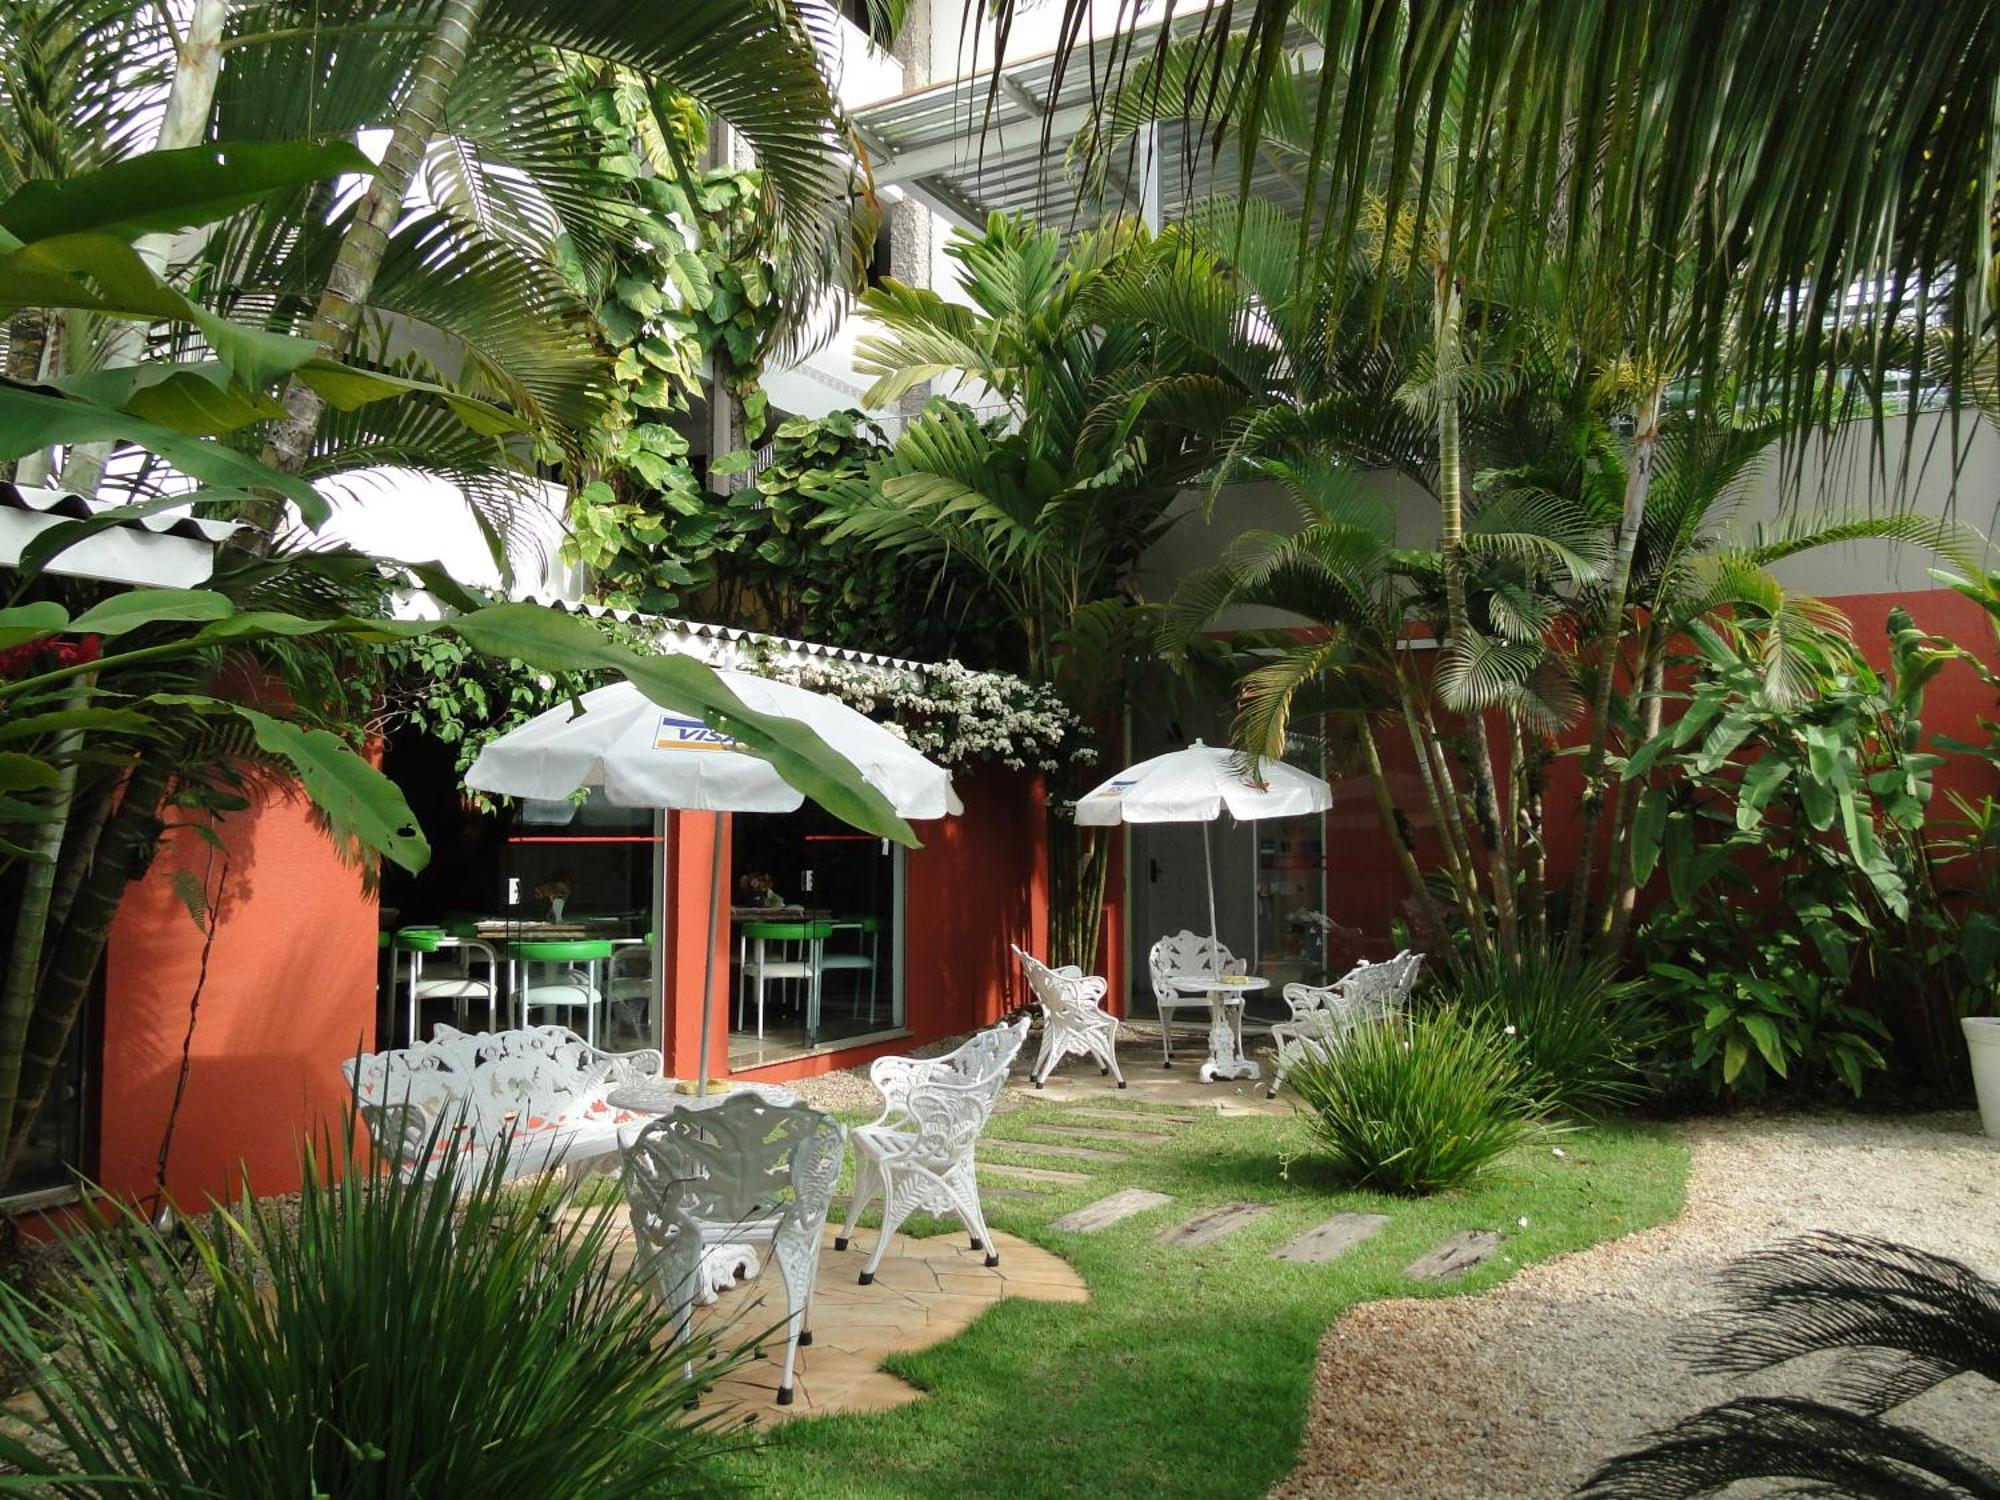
1982, 1039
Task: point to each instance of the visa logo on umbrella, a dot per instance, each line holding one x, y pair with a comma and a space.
677, 732
1115, 789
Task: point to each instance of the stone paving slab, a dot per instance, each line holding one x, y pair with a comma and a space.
1212, 1224
1455, 1256
927, 1291
1032, 1174
1335, 1237
1105, 1212
1130, 1116
1098, 1133
1074, 1153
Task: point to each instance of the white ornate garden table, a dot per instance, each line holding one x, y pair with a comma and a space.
1225, 1040
721, 1265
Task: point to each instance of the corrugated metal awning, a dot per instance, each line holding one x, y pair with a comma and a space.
170, 548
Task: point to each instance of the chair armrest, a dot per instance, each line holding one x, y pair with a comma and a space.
401, 1132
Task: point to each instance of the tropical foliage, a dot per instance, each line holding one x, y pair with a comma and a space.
262, 316
1044, 492
1417, 1105
380, 1337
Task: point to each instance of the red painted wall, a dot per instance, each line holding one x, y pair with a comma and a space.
290, 995
1366, 889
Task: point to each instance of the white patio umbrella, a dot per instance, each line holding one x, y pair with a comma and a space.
1197, 785
642, 755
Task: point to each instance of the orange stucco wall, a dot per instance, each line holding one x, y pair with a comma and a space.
290, 995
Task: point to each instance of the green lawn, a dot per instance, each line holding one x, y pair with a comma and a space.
1187, 1373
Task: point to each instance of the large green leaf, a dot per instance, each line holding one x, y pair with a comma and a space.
167, 190
358, 800
30, 622
31, 419
19, 772
101, 273
56, 721
135, 607
200, 399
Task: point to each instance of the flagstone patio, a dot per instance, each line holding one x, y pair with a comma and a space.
926, 1291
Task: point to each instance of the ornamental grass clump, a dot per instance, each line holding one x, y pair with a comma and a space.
1417, 1104
383, 1339
1580, 1033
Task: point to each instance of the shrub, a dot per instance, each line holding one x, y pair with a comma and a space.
1417, 1105
1773, 1016
386, 1339
1580, 1033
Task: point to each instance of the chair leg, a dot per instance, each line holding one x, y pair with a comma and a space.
964, 1185
796, 1269
1107, 1053
893, 1214
1166, 1036
867, 1185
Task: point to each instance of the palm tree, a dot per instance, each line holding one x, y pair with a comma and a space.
1048, 493
1812, 184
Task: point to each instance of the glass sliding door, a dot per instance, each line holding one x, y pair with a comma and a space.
816, 931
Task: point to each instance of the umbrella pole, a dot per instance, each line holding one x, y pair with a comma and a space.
1214, 935
708, 956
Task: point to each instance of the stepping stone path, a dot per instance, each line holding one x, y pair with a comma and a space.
1098, 1133
1032, 1174
1108, 1211
1210, 1225
1013, 1194
1128, 1117
1075, 1153
1455, 1256
1338, 1235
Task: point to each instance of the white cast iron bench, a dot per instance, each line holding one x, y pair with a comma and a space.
540, 1089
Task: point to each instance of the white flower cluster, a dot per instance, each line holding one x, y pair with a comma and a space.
950, 712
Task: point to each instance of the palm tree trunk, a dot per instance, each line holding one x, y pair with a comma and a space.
27, 344
1451, 498
359, 260
1625, 898
1638, 480
24, 950
123, 852
184, 122
1527, 812
1400, 838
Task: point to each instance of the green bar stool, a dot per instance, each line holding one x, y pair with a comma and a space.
575, 986
868, 931
807, 942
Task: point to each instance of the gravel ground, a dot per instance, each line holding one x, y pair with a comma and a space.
1523, 1391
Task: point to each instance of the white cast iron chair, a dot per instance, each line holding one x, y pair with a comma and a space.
1322, 1016
1185, 953
917, 1155
747, 1172
1074, 1019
